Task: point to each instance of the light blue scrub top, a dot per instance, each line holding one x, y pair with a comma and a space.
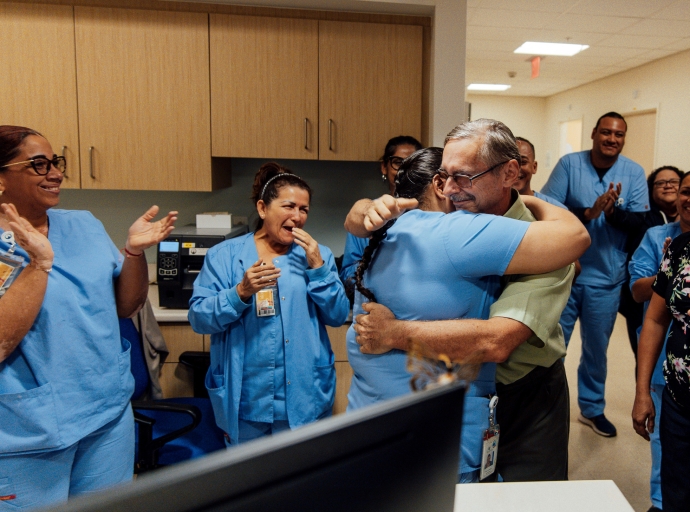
70, 375
433, 266
549, 199
575, 183
645, 262
310, 299
354, 249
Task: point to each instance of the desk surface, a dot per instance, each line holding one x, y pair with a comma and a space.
575, 495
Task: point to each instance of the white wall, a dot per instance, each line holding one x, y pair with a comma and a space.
523, 115
663, 85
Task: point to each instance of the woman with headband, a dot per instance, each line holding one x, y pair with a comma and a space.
266, 298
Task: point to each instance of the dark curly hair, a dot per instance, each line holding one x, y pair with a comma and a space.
269, 179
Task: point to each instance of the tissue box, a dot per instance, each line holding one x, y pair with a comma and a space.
214, 220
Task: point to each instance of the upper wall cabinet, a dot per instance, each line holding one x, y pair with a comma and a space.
264, 87
38, 86
370, 87
144, 107
289, 88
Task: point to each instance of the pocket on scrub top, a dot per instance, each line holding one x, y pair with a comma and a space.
475, 421
8, 495
324, 388
124, 362
28, 421
217, 393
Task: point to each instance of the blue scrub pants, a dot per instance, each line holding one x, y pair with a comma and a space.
596, 307
657, 392
101, 459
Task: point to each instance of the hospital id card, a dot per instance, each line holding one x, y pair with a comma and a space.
490, 442
266, 301
10, 263
490, 451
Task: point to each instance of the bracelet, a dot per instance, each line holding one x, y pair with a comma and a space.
46, 270
131, 254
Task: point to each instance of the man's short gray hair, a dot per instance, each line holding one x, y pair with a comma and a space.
498, 143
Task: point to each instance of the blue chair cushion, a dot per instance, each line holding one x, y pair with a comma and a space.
205, 438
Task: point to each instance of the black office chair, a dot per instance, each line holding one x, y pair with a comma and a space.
174, 429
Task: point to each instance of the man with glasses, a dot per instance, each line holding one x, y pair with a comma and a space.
522, 333
590, 184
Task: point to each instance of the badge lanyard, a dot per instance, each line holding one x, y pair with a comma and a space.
267, 303
10, 263
490, 444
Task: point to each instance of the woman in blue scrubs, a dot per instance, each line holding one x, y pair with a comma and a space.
66, 427
435, 265
265, 299
397, 149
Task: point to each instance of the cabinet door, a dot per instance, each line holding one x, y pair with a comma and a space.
370, 87
264, 87
38, 86
144, 107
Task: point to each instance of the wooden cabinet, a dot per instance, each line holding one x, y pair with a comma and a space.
264, 87
38, 86
343, 370
290, 88
144, 106
370, 87
177, 379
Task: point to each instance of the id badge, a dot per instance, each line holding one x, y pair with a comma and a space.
490, 443
266, 301
10, 263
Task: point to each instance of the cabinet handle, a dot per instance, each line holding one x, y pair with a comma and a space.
93, 176
330, 134
63, 156
306, 134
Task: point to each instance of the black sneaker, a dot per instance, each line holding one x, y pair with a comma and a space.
599, 424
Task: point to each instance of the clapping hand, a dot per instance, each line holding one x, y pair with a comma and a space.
29, 238
310, 246
144, 233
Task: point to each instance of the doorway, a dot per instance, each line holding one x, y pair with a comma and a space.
640, 139
570, 139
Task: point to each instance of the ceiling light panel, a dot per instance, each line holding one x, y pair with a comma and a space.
488, 87
561, 49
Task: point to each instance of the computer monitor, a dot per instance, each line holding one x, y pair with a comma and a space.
396, 456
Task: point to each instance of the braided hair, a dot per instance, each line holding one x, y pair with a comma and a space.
414, 177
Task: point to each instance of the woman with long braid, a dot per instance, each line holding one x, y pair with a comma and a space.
431, 265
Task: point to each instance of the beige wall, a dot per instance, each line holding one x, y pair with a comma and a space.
524, 116
661, 85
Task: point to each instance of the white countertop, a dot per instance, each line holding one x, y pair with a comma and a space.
571, 496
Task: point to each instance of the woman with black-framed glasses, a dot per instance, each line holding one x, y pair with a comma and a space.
662, 184
397, 149
66, 427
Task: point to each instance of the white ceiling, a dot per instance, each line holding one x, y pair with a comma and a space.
621, 34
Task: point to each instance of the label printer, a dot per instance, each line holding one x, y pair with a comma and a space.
179, 260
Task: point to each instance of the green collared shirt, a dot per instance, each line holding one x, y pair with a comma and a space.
536, 301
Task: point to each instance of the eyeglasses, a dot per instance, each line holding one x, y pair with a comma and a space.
465, 181
395, 162
662, 183
42, 165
